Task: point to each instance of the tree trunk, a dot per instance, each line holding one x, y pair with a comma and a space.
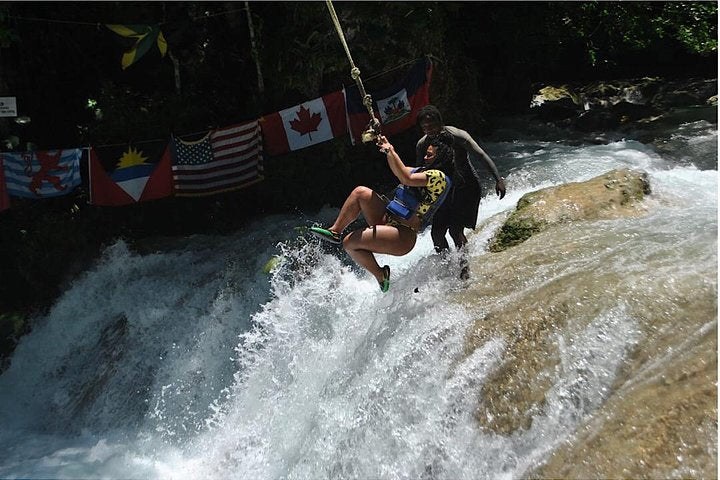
176, 68
255, 54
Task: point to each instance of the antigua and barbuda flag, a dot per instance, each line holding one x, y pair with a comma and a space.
4, 198
43, 174
396, 106
312, 122
130, 173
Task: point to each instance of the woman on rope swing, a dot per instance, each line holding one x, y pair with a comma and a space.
393, 224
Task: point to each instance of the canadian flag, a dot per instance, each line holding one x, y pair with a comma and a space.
306, 124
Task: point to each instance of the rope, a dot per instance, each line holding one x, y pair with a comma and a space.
50, 20
354, 70
99, 24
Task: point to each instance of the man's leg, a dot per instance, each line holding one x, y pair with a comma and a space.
457, 233
437, 232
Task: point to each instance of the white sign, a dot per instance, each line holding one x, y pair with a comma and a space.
8, 107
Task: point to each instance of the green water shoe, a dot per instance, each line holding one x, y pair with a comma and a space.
327, 235
385, 284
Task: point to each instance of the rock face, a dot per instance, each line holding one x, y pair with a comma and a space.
571, 314
600, 106
610, 195
654, 427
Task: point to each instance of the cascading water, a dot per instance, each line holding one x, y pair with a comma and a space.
193, 363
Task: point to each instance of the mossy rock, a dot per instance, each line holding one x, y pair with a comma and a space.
554, 94
614, 194
516, 230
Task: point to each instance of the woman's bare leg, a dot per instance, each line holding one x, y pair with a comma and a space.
361, 244
364, 200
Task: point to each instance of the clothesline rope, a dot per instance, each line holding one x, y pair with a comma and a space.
99, 24
371, 77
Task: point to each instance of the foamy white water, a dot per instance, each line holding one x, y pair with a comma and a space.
192, 363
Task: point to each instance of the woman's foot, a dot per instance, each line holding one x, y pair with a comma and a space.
326, 234
385, 283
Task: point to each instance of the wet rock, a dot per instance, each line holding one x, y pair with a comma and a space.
654, 413
597, 119
614, 194
685, 93
615, 116
630, 112
550, 93
552, 104
651, 428
612, 104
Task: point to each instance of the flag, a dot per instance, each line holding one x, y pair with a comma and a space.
396, 107
43, 174
146, 36
4, 198
306, 124
225, 159
130, 174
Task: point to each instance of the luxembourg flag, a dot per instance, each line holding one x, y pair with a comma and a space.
309, 123
396, 106
42, 174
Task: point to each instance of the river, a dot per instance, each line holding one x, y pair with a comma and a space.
191, 362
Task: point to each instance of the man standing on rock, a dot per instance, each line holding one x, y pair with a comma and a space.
460, 209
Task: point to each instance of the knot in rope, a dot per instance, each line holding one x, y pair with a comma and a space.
374, 126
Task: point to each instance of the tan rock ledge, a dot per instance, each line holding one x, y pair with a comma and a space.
614, 194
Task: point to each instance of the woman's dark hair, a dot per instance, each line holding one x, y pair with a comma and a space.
444, 154
429, 113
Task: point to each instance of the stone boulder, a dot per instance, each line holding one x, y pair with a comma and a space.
609, 105
685, 93
614, 194
552, 104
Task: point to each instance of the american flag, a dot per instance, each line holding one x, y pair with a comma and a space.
225, 159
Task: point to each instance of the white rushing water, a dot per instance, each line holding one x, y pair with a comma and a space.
193, 363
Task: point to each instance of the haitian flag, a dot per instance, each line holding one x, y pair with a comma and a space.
130, 174
43, 174
396, 107
306, 124
4, 198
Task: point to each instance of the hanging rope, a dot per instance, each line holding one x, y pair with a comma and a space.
374, 126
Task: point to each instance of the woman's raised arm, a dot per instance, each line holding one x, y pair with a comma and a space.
402, 172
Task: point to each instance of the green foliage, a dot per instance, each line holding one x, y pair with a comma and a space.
7, 34
694, 24
608, 28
